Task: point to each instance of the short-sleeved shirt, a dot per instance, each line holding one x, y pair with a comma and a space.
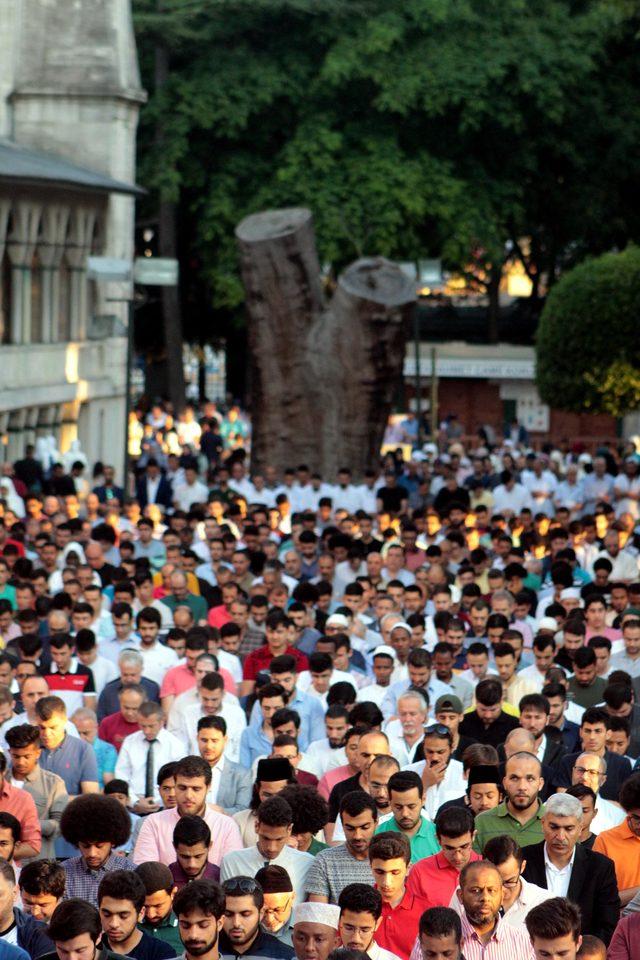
398, 926
424, 843
74, 761
72, 686
333, 870
150, 948
494, 823
106, 756
623, 847
433, 880
261, 658
21, 804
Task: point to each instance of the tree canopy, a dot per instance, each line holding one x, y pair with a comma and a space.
588, 347
411, 128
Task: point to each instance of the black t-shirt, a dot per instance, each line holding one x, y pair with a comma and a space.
392, 497
151, 948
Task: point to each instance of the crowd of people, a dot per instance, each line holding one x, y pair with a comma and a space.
272, 716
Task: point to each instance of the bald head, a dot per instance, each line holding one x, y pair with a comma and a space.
519, 741
371, 745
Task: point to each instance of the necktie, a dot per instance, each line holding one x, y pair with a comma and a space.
149, 779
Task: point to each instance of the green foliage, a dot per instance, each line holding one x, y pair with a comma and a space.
411, 128
588, 344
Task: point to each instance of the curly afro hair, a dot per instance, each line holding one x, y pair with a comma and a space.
97, 819
310, 810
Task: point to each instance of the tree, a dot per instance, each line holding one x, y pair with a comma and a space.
588, 348
323, 373
411, 127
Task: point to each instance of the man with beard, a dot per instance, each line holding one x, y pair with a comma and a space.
278, 902
486, 935
121, 897
406, 796
360, 916
241, 932
519, 815
375, 780
347, 863
199, 908
434, 880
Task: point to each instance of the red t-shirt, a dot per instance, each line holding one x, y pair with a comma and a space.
261, 658
115, 728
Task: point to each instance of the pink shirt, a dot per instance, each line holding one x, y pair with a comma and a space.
179, 679
155, 838
331, 777
507, 941
22, 805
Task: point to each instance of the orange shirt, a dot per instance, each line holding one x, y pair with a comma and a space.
623, 847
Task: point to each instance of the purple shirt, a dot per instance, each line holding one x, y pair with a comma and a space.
211, 872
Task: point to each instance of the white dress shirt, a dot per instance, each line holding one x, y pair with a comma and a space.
558, 879
236, 721
608, 815
319, 757
451, 786
216, 777
131, 765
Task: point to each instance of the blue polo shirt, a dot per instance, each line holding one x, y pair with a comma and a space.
74, 761
311, 717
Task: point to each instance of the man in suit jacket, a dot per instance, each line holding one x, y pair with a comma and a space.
231, 785
152, 487
561, 864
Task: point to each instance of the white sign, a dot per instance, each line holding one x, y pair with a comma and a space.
480, 369
156, 271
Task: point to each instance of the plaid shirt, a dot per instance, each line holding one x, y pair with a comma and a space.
83, 882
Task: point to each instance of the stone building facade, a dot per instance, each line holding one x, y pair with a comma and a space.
69, 101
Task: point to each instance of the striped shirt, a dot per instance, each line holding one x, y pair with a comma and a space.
333, 869
506, 943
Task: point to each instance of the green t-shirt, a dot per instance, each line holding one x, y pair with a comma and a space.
424, 843
9, 593
167, 932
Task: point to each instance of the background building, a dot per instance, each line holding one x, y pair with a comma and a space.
69, 100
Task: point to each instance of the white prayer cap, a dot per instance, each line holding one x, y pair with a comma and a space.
337, 620
326, 913
548, 623
401, 625
384, 650
570, 593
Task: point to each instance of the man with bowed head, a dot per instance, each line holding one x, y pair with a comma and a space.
560, 864
485, 932
199, 908
434, 879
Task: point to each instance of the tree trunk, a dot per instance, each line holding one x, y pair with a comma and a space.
167, 247
493, 292
322, 377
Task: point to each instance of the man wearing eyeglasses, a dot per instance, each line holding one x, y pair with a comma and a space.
278, 902
622, 843
590, 770
241, 932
